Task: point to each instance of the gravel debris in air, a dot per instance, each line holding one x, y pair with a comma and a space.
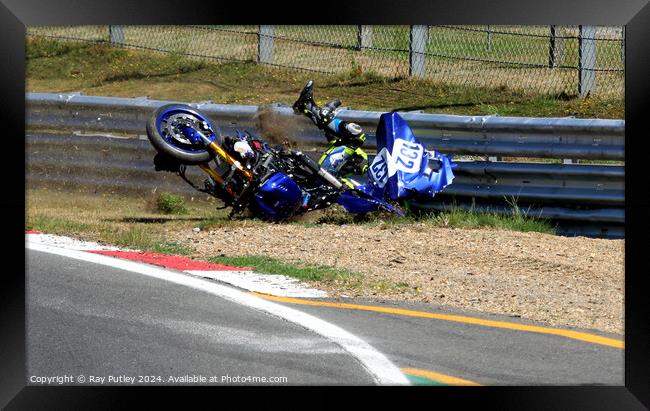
561, 281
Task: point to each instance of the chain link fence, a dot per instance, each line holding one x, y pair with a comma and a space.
559, 61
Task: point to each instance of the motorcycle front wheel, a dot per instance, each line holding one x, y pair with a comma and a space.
173, 130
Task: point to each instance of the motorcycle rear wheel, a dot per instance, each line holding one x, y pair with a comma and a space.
181, 145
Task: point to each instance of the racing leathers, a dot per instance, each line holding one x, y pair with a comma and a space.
344, 155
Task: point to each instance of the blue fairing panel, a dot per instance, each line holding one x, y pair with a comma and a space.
278, 197
402, 165
356, 202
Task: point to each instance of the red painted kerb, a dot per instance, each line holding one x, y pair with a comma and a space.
174, 262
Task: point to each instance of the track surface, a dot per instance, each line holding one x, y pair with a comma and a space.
480, 354
88, 319
85, 318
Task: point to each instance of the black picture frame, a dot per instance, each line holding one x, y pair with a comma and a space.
16, 14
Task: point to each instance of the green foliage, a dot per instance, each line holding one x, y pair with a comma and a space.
56, 225
169, 247
43, 47
168, 203
268, 265
516, 220
455, 216
99, 63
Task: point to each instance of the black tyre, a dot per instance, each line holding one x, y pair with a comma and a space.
172, 131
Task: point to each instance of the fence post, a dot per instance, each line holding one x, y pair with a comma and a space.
116, 36
586, 60
623, 46
489, 38
555, 48
265, 44
364, 37
417, 47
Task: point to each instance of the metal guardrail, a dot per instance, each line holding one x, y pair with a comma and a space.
585, 193
479, 135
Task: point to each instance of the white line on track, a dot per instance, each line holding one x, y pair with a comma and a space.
378, 366
279, 285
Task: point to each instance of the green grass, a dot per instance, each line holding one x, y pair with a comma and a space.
46, 48
453, 217
141, 238
132, 236
129, 222
114, 219
347, 279
98, 69
169, 247
517, 221
305, 272
56, 225
168, 203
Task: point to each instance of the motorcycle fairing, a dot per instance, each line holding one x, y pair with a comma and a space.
361, 200
278, 197
401, 167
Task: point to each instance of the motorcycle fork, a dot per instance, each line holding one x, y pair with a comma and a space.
235, 166
218, 150
217, 178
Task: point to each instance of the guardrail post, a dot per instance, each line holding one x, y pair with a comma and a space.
587, 60
555, 48
364, 37
265, 44
116, 36
417, 47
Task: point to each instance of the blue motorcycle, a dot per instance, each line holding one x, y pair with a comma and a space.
275, 183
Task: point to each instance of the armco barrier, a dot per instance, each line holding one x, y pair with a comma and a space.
486, 135
62, 126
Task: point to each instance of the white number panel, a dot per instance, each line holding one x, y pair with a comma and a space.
379, 167
407, 156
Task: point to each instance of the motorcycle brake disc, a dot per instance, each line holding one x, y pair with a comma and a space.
173, 123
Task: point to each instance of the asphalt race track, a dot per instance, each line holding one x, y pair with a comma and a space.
88, 319
95, 320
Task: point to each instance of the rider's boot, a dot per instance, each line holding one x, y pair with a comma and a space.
345, 155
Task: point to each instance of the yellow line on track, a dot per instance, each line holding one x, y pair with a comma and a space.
575, 335
437, 377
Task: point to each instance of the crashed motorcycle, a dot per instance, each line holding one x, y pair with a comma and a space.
276, 183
